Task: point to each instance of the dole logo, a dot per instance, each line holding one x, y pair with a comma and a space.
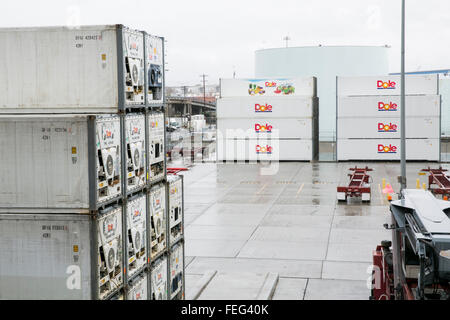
263, 108
387, 106
263, 149
387, 127
387, 149
110, 227
263, 128
386, 85
137, 213
270, 84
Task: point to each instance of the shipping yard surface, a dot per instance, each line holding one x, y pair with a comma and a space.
248, 227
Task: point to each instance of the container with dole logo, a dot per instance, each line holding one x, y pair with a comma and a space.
268, 87
387, 149
387, 85
383, 127
388, 106
289, 128
267, 107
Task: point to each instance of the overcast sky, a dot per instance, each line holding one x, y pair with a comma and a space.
219, 37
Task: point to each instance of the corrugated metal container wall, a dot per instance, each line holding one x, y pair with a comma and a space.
58, 69
388, 106
48, 164
387, 149
60, 256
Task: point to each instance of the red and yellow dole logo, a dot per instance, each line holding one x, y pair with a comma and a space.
382, 127
387, 149
264, 149
270, 84
387, 106
263, 128
385, 85
263, 108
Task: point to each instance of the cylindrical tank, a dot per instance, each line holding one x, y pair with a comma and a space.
325, 63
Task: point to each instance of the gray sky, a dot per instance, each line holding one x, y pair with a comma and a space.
218, 37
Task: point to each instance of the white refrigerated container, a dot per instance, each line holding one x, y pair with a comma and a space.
57, 255
388, 106
176, 269
387, 149
175, 206
266, 150
268, 87
382, 128
59, 161
267, 107
158, 220
138, 288
291, 128
154, 69
158, 279
90, 69
135, 139
387, 85
156, 146
136, 211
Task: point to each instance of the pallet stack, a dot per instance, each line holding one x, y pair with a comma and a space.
84, 195
368, 118
268, 119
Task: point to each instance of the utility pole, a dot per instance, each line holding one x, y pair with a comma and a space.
403, 107
286, 39
204, 87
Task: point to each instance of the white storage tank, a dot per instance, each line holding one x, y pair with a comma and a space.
57, 255
324, 63
67, 70
60, 161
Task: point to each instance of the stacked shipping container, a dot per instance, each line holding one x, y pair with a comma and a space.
267, 119
368, 118
83, 188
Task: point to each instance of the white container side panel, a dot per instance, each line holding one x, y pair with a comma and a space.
383, 128
273, 150
386, 85
265, 128
135, 151
46, 162
158, 280
137, 231
38, 261
268, 87
389, 106
265, 107
176, 270
387, 149
74, 70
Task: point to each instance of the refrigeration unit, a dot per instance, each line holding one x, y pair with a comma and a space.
157, 205
158, 279
136, 209
154, 69
138, 288
90, 69
175, 196
49, 255
156, 146
176, 267
135, 151
60, 161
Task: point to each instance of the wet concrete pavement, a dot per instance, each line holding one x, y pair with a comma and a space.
245, 224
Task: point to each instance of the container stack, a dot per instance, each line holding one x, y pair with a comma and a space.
83, 195
267, 119
368, 118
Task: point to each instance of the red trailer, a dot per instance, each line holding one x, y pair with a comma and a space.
358, 186
438, 181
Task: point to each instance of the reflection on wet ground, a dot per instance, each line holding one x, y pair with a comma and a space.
244, 223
